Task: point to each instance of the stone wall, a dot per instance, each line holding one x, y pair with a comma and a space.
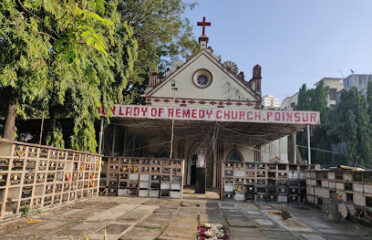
341, 192
36, 177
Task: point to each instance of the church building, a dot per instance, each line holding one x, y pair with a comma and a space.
207, 113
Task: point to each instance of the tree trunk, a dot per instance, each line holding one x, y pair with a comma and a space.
53, 122
10, 128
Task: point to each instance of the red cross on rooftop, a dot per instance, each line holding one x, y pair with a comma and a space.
204, 24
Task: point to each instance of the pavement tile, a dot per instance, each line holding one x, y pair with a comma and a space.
246, 234
176, 219
245, 224
264, 222
279, 235
143, 233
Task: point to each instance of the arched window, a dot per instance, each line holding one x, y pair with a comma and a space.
164, 153
234, 156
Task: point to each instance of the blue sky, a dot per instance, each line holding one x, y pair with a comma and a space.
295, 41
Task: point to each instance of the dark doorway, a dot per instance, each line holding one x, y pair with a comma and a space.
191, 165
193, 168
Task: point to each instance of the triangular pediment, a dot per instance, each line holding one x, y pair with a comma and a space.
223, 86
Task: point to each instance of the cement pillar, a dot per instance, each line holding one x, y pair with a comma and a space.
113, 142
294, 147
215, 167
200, 181
100, 137
125, 142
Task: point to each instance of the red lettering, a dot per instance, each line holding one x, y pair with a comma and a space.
186, 113
249, 115
201, 114
241, 115
178, 113
257, 116
218, 114
136, 111
170, 112
194, 113
121, 113
128, 111
297, 117
153, 112
313, 118
269, 115
161, 110
289, 116
234, 115
144, 111
209, 113
226, 114
305, 117
277, 116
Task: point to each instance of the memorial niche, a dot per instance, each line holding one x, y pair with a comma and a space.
234, 156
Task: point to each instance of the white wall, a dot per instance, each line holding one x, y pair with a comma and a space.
277, 148
223, 87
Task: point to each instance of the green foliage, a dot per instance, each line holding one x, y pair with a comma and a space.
315, 100
369, 103
23, 58
57, 55
163, 35
56, 138
352, 126
349, 123
25, 211
67, 58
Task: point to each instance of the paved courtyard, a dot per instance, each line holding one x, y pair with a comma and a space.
146, 218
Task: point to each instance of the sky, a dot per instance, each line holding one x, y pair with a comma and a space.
294, 41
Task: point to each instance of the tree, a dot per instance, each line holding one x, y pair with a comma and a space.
108, 73
315, 100
369, 102
352, 126
162, 33
23, 66
63, 48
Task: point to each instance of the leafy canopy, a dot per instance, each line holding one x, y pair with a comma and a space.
59, 50
350, 124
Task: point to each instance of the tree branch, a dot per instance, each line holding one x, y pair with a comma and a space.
36, 16
46, 34
42, 33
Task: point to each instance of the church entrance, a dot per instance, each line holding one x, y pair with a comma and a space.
193, 159
191, 165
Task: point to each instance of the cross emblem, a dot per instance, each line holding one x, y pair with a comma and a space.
204, 24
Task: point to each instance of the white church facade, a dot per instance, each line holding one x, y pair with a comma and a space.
206, 113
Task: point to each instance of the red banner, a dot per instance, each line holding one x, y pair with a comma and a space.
212, 114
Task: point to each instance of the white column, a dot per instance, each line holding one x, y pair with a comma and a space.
294, 148
100, 137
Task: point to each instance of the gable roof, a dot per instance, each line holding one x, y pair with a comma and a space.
212, 59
